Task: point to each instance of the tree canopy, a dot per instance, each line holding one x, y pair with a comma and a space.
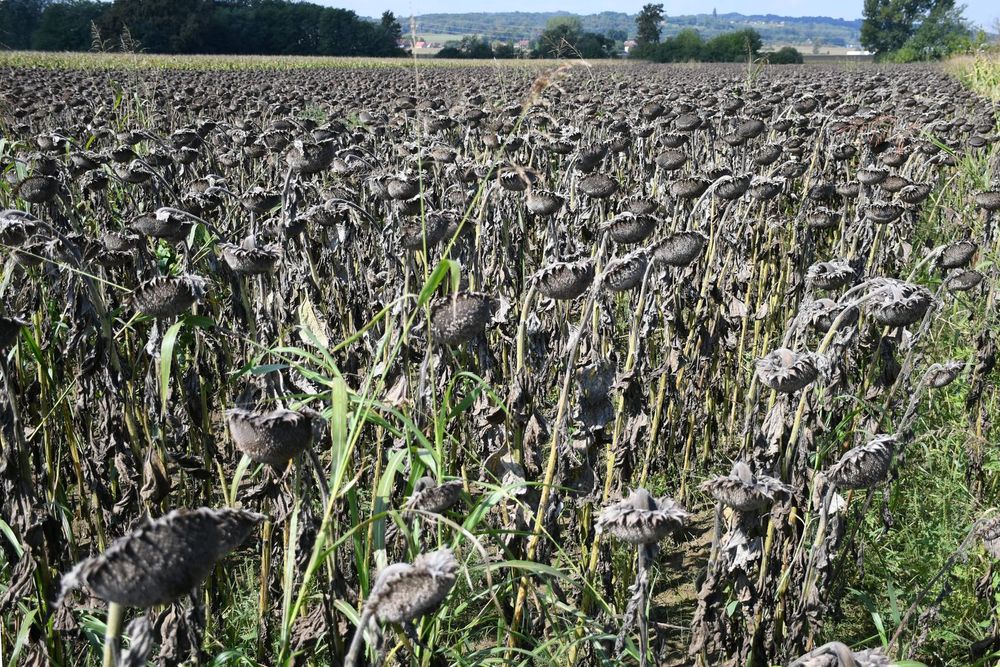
565, 37
688, 45
647, 24
786, 55
477, 47
914, 29
269, 27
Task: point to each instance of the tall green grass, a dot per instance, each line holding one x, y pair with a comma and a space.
980, 72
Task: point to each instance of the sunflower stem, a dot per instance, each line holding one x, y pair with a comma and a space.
112, 631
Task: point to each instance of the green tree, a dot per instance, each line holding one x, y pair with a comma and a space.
944, 32
504, 51
162, 26
391, 31
18, 20
65, 26
732, 47
888, 24
339, 33
685, 46
389, 37
594, 45
476, 47
559, 37
786, 55
564, 37
647, 23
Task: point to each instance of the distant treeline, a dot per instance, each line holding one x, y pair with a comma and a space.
690, 46
266, 27
563, 37
513, 26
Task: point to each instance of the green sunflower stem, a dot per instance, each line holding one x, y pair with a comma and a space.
112, 631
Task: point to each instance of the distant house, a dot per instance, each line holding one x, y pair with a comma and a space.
524, 44
629, 45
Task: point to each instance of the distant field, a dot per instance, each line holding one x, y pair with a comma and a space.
807, 49
152, 61
436, 38
217, 62
440, 38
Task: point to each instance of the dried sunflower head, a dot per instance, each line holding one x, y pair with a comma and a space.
836, 654
163, 224
273, 437
625, 273
565, 280
404, 592
764, 189
894, 183
308, 157
830, 275
822, 217
786, 371
460, 317
10, 327
37, 189
942, 375
882, 213
865, 465
260, 200
689, 188
640, 206
671, 159
680, 248
163, 558
430, 496
249, 260
16, 227
164, 297
914, 193
517, 179
628, 227
897, 303
135, 172
963, 280
988, 200
589, 157
957, 254
431, 228
989, 532
120, 241
872, 174
403, 186
732, 187
598, 186
822, 313
744, 492
768, 154
543, 202
94, 181
641, 518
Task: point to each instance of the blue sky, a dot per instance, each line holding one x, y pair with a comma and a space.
982, 12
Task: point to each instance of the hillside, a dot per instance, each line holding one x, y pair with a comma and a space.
528, 25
